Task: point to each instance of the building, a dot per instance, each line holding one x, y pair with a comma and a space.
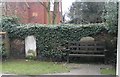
33, 12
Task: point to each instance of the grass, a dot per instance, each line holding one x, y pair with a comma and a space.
23, 67
108, 71
0, 66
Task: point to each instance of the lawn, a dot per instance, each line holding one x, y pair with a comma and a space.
0, 66
108, 71
23, 67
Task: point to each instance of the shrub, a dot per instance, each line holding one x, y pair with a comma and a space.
3, 52
111, 46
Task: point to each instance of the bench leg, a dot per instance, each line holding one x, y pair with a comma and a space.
67, 58
105, 61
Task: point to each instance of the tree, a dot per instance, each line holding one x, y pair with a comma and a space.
86, 12
55, 12
110, 14
47, 6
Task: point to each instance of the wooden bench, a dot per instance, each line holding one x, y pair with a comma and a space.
87, 49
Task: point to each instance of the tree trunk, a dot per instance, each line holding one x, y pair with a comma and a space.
48, 11
56, 5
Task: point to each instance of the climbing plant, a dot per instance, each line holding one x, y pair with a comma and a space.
50, 37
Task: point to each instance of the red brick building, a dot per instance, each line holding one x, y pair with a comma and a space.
32, 12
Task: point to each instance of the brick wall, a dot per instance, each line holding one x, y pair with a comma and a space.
29, 12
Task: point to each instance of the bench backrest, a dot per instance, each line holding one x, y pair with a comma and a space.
86, 47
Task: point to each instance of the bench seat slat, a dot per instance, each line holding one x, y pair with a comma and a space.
92, 55
86, 46
80, 51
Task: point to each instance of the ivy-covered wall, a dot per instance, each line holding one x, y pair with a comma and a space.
50, 37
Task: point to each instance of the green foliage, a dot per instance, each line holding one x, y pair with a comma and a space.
111, 46
86, 12
111, 16
3, 52
50, 37
108, 71
8, 23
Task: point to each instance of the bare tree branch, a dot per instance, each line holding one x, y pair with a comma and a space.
42, 3
27, 4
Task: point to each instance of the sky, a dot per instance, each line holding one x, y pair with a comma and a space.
65, 7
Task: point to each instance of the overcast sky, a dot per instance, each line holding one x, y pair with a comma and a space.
66, 5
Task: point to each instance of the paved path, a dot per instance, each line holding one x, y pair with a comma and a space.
84, 69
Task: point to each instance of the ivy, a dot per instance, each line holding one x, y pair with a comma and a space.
49, 37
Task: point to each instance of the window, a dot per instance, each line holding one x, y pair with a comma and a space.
34, 14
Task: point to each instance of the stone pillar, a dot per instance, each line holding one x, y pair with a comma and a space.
118, 48
30, 46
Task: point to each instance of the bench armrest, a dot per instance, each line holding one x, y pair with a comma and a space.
105, 50
66, 51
